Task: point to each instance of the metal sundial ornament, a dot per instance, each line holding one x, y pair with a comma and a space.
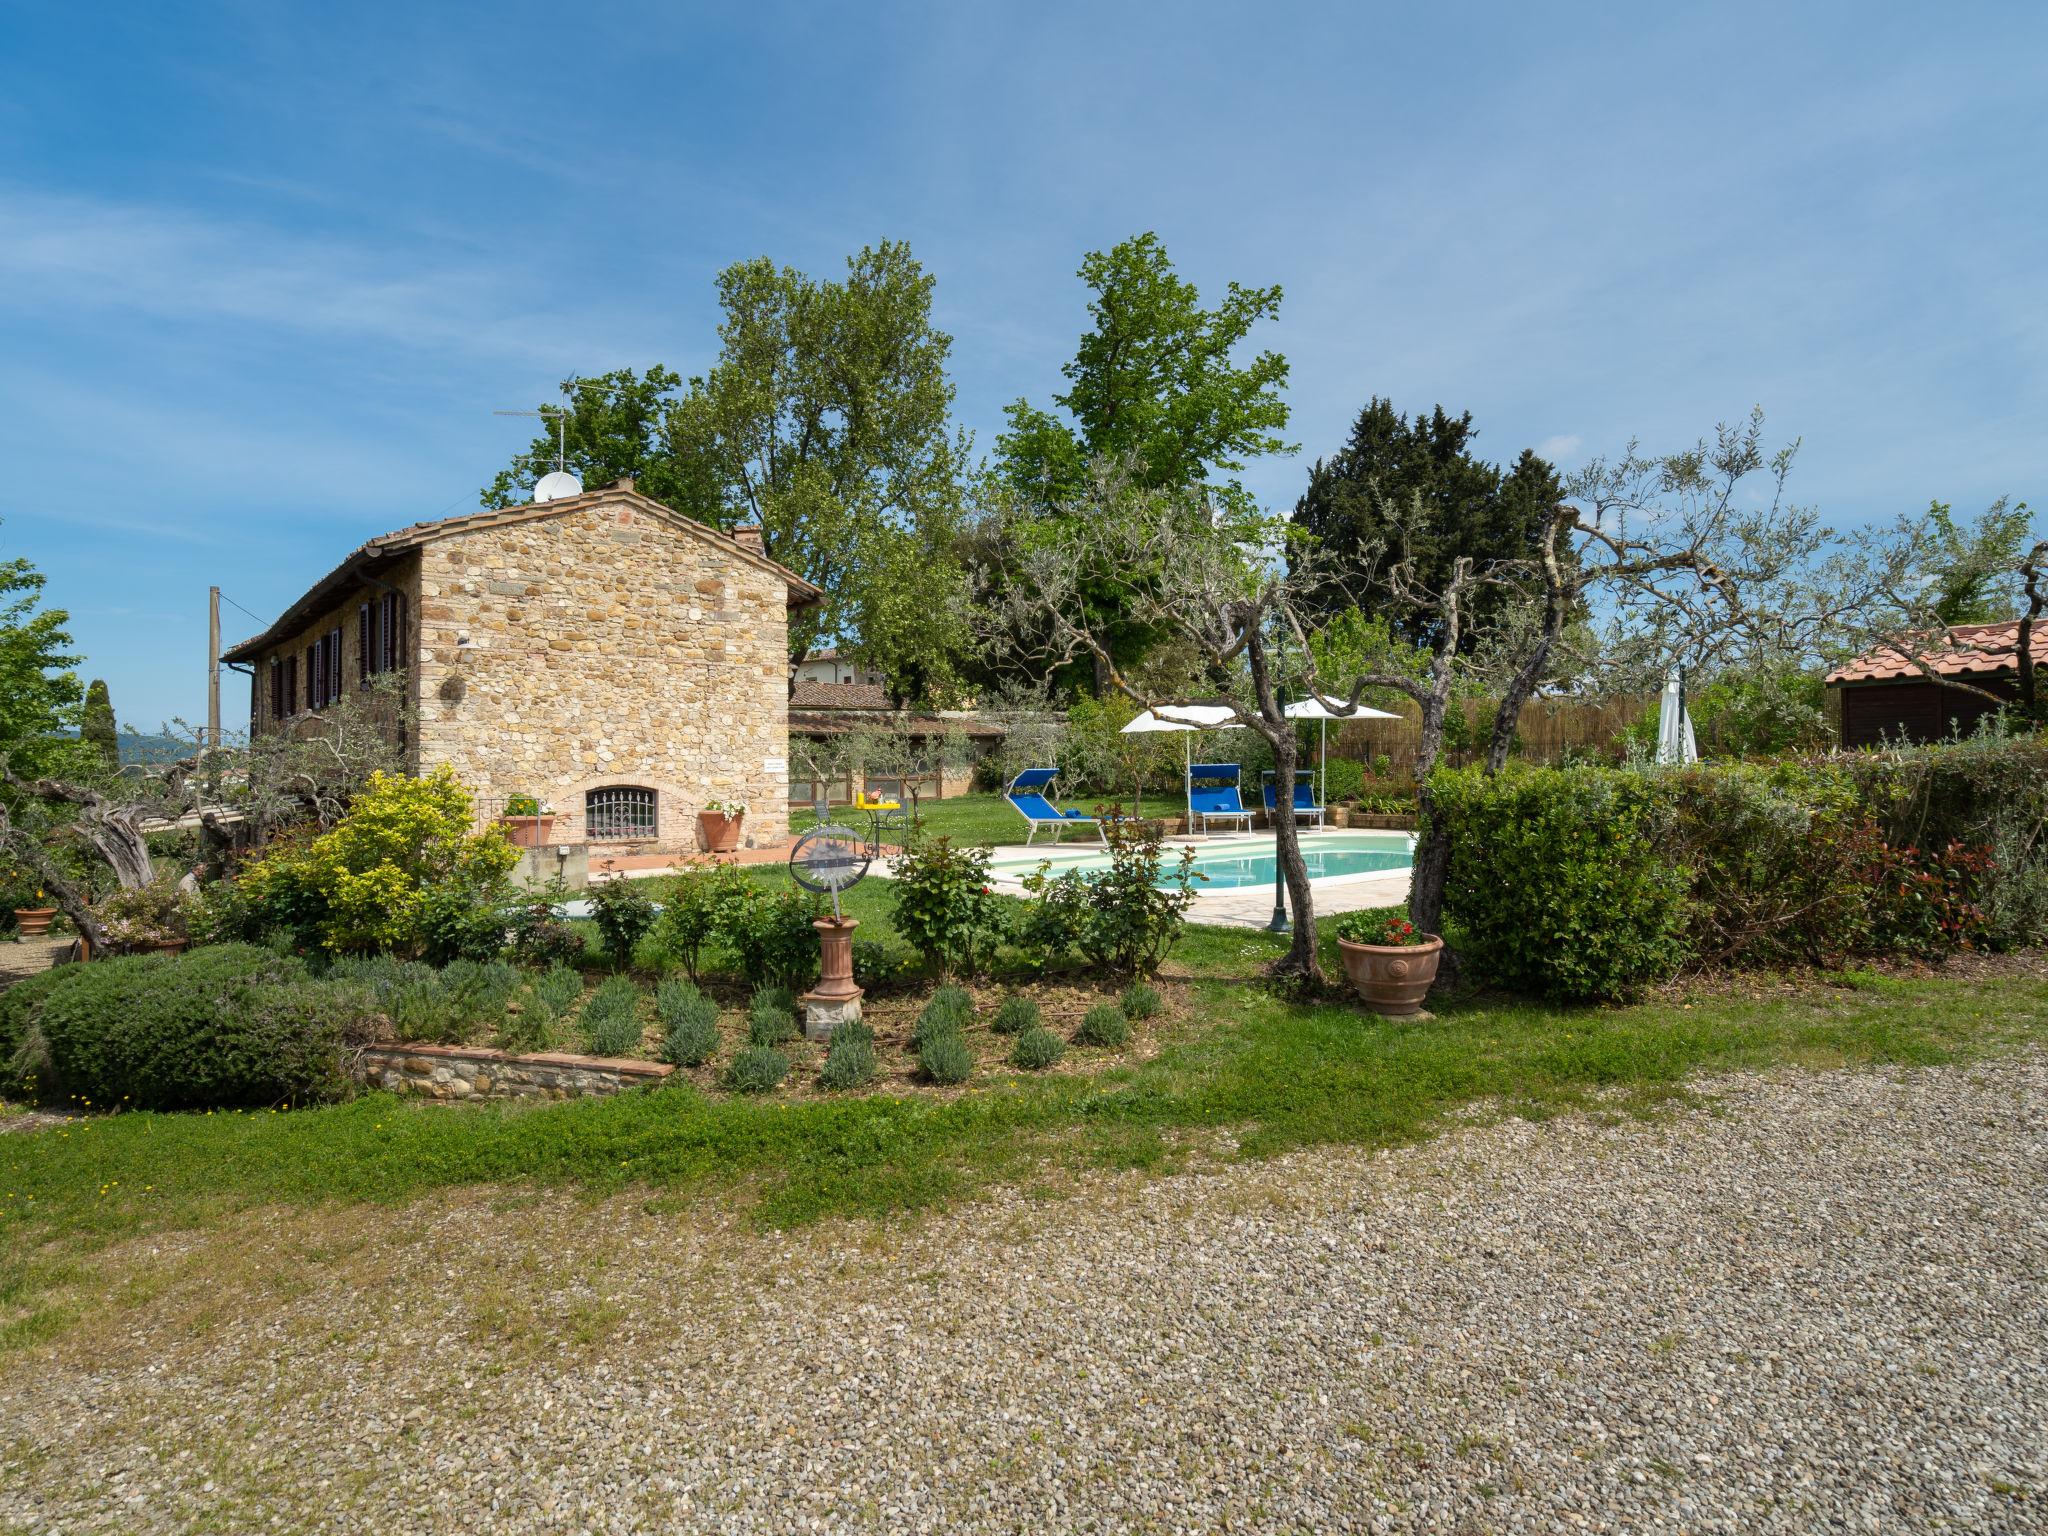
831, 859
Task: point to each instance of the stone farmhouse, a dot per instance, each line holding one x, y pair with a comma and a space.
616, 661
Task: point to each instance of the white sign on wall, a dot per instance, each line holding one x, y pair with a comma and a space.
775, 765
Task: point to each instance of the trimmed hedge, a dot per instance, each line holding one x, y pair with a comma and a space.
231, 1024
1561, 880
1589, 883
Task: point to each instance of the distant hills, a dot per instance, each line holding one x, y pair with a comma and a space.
139, 747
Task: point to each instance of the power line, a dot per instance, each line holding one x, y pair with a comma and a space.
233, 604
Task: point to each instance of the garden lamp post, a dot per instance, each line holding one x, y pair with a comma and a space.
1279, 922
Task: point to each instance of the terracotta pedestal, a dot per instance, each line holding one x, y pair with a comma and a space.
835, 999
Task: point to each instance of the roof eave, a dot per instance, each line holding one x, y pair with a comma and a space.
801, 593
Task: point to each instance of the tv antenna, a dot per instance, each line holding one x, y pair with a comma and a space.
561, 483
560, 418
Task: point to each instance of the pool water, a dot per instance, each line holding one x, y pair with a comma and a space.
1230, 869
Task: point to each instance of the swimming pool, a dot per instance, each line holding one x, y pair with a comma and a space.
1327, 855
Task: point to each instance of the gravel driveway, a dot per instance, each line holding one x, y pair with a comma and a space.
1820, 1302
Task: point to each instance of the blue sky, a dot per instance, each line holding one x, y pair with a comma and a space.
265, 271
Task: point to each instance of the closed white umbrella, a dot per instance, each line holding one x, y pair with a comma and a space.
1316, 707
1184, 717
1675, 744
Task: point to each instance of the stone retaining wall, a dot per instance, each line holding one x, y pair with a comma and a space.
477, 1072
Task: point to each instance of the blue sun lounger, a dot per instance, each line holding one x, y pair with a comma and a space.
1216, 799
1026, 795
1304, 796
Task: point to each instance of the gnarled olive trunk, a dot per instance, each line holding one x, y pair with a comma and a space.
1300, 959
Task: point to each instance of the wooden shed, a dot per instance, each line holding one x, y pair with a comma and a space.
1884, 694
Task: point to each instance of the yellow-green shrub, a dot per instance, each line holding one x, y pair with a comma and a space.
405, 851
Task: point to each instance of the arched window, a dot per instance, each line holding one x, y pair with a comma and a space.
619, 813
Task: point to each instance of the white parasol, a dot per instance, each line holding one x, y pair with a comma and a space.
1184, 717
1675, 744
1323, 711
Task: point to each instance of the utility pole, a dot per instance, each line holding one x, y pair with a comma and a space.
212, 684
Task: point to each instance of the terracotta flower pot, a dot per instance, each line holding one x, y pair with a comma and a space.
34, 921
1393, 979
527, 831
721, 833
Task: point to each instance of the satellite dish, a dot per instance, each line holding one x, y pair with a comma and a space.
555, 485
830, 858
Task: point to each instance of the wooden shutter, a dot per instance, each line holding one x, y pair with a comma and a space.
291, 687
276, 689
334, 672
394, 636
364, 666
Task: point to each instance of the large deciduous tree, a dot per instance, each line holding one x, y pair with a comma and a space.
1157, 386
39, 693
826, 421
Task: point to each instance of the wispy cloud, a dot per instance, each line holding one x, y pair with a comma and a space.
178, 265
1560, 448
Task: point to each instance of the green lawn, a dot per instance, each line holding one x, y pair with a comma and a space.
1275, 1075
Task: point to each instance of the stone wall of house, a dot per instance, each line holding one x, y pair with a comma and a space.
341, 613
475, 1072
607, 646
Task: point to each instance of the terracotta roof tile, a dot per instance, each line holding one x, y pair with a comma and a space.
1982, 650
811, 695
414, 534
836, 722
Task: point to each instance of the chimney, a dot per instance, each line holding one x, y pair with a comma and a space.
623, 483
748, 536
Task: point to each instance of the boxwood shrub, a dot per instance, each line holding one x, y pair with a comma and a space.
1562, 881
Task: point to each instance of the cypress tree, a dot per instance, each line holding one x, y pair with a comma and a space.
97, 724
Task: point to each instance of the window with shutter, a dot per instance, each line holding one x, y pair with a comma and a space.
276, 689
291, 688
